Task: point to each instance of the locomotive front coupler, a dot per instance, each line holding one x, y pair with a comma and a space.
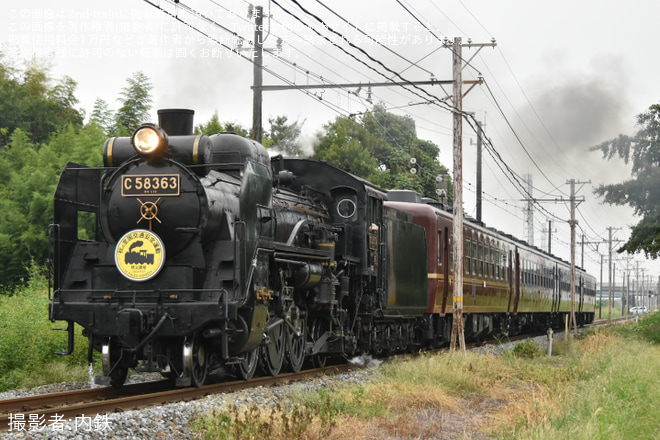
151, 334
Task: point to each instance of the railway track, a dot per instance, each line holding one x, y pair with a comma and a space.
88, 403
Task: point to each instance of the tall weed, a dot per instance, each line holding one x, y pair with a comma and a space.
28, 342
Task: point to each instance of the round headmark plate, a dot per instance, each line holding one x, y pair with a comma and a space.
140, 255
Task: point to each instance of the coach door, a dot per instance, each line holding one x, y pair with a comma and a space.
444, 245
580, 293
374, 254
517, 281
514, 281
556, 291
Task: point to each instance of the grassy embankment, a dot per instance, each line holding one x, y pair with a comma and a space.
602, 386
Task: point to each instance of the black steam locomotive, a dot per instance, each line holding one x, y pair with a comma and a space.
211, 255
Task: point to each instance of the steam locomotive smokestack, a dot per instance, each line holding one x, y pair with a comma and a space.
176, 121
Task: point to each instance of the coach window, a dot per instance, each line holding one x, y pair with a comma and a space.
486, 261
494, 255
480, 256
489, 261
475, 257
467, 248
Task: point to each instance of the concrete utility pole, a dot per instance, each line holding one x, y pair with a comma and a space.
612, 291
609, 314
628, 293
257, 72
600, 293
573, 223
479, 174
529, 211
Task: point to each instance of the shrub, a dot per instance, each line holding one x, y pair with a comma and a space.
527, 350
649, 327
28, 342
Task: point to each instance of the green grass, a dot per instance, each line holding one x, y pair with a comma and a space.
610, 391
603, 385
28, 342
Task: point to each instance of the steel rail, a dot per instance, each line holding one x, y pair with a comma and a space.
105, 400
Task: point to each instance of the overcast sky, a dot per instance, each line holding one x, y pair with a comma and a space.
564, 75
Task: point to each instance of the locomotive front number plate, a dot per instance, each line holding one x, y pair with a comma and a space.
150, 185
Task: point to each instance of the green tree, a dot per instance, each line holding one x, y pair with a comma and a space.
285, 137
344, 145
214, 126
103, 116
393, 158
28, 176
29, 101
642, 191
136, 104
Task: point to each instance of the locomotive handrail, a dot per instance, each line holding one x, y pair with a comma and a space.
54, 257
294, 232
314, 254
248, 279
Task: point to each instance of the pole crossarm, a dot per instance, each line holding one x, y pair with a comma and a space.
270, 88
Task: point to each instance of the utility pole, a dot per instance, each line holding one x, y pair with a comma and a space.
612, 292
609, 315
628, 293
573, 223
643, 288
636, 296
257, 73
529, 212
480, 130
479, 185
623, 289
457, 329
600, 296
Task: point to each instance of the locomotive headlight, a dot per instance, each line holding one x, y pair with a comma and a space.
149, 139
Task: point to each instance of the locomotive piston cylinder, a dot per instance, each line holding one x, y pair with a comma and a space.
306, 275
